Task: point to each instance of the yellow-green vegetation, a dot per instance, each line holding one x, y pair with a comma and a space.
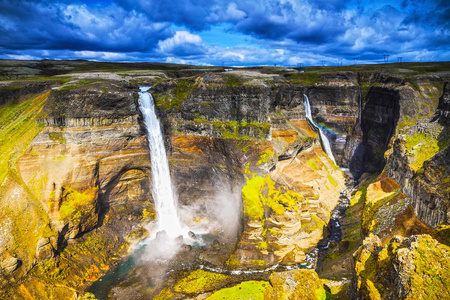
21, 211
72, 268
351, 234
234, 262
173, 100
338, 289
313, 224
233, 81
233, 129
265, 157
165, 294
313, 164
431, 277
332, 181
76, 205
74, 84
57, 137
427, 261
35, 289
88, 296
200, 281
17, 129
307, 78
422, 147
333, 164
372, 205
442, 234
253, 290
148, 214
260, 192
200, 119
137, 235
297, 284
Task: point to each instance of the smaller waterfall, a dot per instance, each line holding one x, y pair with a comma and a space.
323, 138
165, 200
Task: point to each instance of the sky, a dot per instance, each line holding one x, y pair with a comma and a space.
230, 33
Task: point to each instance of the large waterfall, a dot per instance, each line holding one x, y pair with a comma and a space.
325, 143
165, 199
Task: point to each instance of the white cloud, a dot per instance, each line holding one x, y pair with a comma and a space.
181, 41
22, 56
101, 55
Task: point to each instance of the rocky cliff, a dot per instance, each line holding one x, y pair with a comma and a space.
76, 190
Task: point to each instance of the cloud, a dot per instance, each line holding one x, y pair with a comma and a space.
188, 13
48, 25
182, 43
186, 31
231, 14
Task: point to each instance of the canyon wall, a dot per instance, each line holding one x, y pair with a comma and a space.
76, 193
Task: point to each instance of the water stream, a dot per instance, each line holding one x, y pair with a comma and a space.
323, 138
163, 195
158, 253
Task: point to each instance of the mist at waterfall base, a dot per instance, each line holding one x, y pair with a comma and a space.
178, 229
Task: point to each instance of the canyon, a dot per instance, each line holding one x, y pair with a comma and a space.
249, 170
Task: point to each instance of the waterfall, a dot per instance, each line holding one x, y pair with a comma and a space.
323, 138
165, 199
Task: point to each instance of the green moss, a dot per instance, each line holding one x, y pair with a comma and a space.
359, 196
17, 129
76, 84
88, 296
262, 245
338, 289
312, 225
76, 205
200, 119
183, 89
307, 78
57, 137
254, 290
165, 294
421, 147
149, 215
442, 234
200, 281
253, 204
232, 81
332, 181
265, 157
371, 207
260, 192
431, 277
313, 164
85, 259
174, 98
233, 261
234, 130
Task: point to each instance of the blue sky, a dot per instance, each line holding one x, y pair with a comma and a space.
234, 33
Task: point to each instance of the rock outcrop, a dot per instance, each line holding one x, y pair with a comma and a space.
246, 165
405, 268
87, 168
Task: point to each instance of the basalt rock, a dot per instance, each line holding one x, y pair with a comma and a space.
87, 168
82, 183
406, 268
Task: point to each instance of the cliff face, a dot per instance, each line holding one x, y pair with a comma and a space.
245, 163
87, 168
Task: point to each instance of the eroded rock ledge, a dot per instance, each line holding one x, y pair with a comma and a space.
80, 180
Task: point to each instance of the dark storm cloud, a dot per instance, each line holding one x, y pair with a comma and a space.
189, 13
53, 25
271, 31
